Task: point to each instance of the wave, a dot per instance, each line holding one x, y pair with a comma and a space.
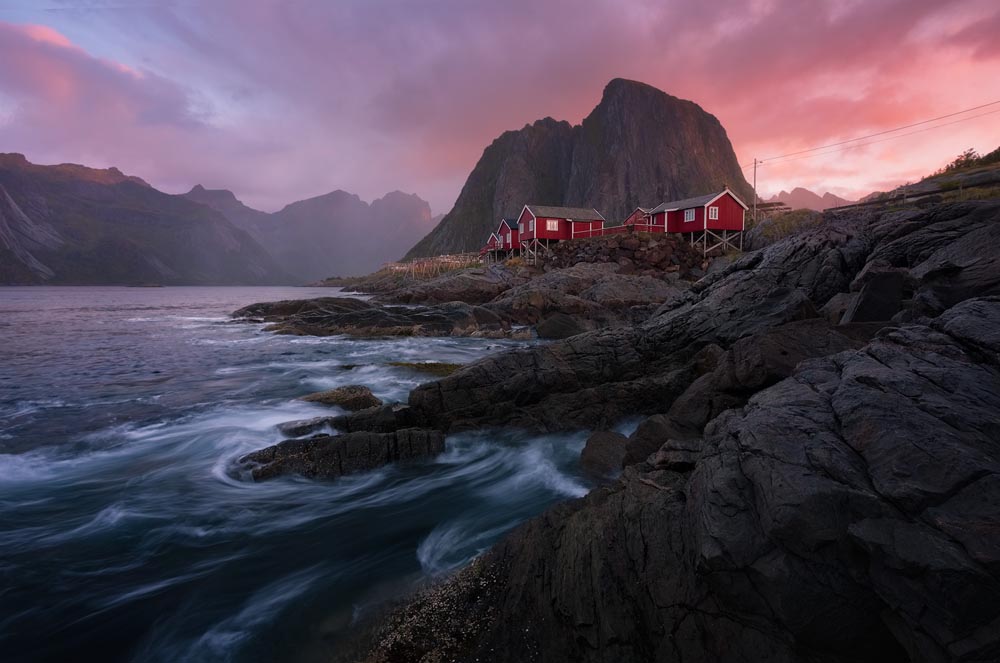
224, 639
450, 546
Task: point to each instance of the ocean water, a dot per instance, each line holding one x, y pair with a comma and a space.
127, 535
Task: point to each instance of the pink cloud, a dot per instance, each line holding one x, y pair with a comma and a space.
280, 101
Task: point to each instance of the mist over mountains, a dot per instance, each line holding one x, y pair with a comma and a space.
70, 224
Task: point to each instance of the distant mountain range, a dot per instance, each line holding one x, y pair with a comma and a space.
69, 224
336, 234
639, 146
799, 198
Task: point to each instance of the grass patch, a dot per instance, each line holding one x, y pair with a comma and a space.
440, 369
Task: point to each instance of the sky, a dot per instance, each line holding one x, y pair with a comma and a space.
280, 100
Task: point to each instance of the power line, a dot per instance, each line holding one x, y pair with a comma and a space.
887, 131
844, 148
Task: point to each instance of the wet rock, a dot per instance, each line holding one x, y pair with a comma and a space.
846, 514
559, 325
330, 316
384, 419
651, 434
351, 397
303, 427
332, 456
602, 455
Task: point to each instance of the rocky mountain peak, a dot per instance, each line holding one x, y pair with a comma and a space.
639, 146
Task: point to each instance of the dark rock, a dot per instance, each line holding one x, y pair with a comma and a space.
880, 298
303, 427
652, 434
559, 326
332, 456
603, 453
472, 286
334, 315
835, 309
351, 397
847, 514
385, 419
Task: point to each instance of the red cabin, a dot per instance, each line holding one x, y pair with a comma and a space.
491, 252
708, 215
492, 244
641, 220
715, 211
548, 224
509, 234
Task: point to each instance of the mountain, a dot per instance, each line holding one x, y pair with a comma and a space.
69, 224
333, 234
639, 146
799, 198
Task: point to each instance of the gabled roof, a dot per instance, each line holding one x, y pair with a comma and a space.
697, 201
644, 210
510, 223
574, 213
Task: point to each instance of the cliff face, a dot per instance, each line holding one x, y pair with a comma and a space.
639, 146
69, 224
333, 234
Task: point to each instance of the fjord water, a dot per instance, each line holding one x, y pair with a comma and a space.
128, 533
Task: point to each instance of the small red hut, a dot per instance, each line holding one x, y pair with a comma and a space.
509, 234
542, 225
716, 217
641, 220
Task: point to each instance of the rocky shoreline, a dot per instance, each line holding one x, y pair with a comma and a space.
817, 478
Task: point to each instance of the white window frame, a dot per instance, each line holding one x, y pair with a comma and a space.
531, 225
508, 238
688, 215
552, 225
520, 227
713, 213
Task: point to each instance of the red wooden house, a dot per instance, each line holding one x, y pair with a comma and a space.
542, 225
493, 247
641, 220
716, 217
510, 235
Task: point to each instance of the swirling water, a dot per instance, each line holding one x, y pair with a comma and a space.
126, 535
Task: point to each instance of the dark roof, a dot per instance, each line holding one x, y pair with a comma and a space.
687, 203
510, 223
697, 201
574, 213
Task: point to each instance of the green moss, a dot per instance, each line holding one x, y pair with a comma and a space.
439, 369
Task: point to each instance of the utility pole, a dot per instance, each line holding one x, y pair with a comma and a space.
755, 191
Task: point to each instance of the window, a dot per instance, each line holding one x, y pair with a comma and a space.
531, 225
713, 213
520, 227
688, 215
508, 238
552, 225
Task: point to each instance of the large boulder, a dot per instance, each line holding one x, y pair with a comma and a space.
350, 397
558, 325
602, 454
332, 456
472, 286
331, 316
